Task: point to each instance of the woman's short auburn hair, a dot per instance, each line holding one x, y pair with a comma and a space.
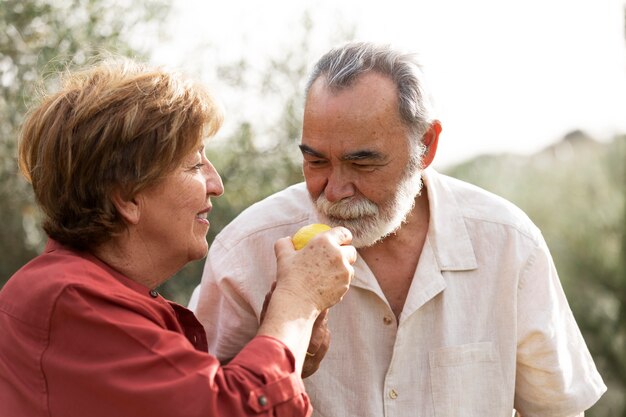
117, 125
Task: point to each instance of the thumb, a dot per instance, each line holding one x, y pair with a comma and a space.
341, 235
283, 246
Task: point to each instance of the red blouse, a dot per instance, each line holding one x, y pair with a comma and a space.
79, 339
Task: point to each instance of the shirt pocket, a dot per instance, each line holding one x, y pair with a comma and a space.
466, 380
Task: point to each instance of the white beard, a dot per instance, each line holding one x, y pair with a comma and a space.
368, 222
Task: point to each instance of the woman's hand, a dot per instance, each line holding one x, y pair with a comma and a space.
320, 273
308, 282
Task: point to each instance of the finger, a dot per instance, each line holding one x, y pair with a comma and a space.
283, 246
350, 253
314, 346
318, 335
317, 338
325, 343
268, 295
323, 317
310, 366
317, 353
266, 302
312, 361
340, 234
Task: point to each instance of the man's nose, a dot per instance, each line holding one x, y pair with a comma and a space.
339, 186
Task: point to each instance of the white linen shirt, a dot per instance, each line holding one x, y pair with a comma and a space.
485, 327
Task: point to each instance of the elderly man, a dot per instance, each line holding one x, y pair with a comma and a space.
456, 308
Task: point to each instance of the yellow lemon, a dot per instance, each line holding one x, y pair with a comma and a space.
306, 233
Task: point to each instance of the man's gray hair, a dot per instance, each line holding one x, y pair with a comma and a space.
341, 66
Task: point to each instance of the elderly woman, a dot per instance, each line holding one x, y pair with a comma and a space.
117, 164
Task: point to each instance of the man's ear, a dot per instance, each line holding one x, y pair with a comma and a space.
431, 140
129, 207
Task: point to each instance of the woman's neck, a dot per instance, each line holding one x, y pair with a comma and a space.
134, 261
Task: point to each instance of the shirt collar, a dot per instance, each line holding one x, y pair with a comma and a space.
447, 231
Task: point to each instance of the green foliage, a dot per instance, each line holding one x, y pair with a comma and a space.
575, 192
37, 39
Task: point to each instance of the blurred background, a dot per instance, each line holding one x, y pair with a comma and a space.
532, 97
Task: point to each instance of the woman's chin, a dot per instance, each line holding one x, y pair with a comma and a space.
199, 251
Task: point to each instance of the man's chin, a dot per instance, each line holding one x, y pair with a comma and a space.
362, 244
367, 241
374, 236
364, 240
360, 239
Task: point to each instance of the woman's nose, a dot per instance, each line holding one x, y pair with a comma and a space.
214, 185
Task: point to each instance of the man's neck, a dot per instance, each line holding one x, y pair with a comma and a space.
393, 261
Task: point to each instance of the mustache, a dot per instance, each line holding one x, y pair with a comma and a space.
346, 209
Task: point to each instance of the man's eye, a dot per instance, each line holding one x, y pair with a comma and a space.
364, 167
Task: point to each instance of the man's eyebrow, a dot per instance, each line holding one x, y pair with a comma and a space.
310, 151
360, 155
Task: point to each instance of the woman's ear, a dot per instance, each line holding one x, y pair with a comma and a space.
431, 140
129, 207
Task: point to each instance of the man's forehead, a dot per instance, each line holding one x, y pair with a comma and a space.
377, 86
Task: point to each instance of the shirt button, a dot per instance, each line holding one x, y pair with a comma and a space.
154, 294
387, 320
393, 394
262, 400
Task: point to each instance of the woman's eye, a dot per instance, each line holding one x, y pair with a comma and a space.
198, 167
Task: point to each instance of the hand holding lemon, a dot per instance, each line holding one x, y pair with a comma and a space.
308, 281
318, 273
320, 335
306, 233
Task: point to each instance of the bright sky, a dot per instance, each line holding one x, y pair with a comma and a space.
507, 76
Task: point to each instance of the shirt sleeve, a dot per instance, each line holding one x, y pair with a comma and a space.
556, 375
113, 355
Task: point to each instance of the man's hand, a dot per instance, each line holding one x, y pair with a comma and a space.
318, 346
266, 302
320, 338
